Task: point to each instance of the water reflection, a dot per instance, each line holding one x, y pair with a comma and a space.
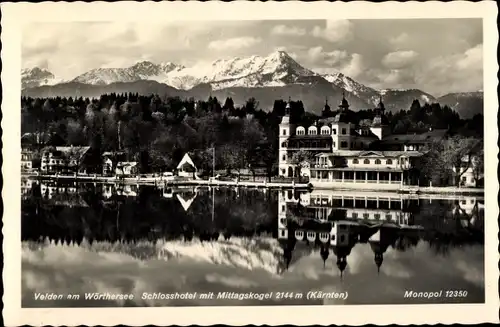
129, 238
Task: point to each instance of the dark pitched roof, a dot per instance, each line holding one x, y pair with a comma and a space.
426, 137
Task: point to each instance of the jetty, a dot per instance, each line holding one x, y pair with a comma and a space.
161, 181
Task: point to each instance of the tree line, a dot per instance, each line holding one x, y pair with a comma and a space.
156, 131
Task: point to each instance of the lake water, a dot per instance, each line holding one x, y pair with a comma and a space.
146, 242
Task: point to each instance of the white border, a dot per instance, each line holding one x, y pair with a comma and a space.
14, 15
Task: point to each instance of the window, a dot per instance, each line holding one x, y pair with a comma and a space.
334, 131
283, 171
283, 145
344, 131
388, 217
355, 161
354, 215
389, 162
282, 209
284, 132
378, 162
366, 216
343, 144
377, 216
283, 157
366, 161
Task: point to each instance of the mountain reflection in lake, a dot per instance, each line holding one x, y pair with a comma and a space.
81, 238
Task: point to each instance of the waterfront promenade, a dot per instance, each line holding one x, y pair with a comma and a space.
160, 181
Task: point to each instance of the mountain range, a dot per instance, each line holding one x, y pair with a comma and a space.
276, 76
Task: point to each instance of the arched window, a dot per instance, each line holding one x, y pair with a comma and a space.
301, 130
366, 161
378, 162
389, 161
355, 161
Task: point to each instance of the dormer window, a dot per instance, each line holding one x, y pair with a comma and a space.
378, 162
355, 161
389, 162
366, 161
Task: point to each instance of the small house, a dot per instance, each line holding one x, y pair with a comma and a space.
126, 168
186, 167
64, 159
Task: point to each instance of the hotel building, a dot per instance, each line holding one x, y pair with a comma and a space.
336, 221
350, 155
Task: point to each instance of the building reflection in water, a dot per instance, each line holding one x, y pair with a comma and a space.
336, 221
332, 222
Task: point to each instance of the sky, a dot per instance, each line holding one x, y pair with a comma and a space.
435, 55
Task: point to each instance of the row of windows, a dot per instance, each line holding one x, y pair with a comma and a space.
367, 216
377, 161
313, 131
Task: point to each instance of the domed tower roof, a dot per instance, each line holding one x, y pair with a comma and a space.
380, 106
341, 265
344, 105
326, 109
380, 119
324, 254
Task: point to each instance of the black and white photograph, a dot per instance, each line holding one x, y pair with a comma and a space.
253, 162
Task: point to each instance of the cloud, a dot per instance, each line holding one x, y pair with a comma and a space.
284, 30
355, 66
234, 43
459, 72
399, 40
399, 59
336, 61
334, 31
472, 58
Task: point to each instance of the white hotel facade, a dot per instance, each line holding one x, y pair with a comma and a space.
345, 155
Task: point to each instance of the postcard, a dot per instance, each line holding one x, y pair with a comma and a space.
295, 163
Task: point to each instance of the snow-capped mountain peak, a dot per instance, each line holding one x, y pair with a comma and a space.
276, 69
36, 76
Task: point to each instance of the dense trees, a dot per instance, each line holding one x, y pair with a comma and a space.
156, 132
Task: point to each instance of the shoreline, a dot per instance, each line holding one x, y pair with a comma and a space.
410, 189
